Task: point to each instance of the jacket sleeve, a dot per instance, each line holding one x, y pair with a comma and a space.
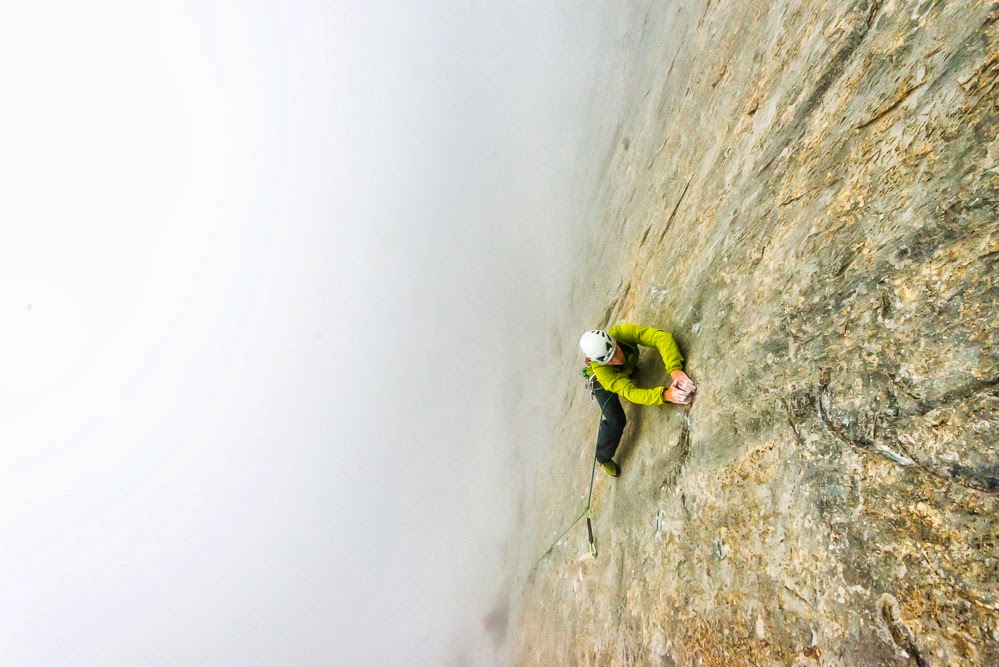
619, 383
651, 337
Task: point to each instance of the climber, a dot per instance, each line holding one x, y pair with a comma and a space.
611, 358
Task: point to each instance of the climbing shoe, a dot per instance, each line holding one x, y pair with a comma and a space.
611, 468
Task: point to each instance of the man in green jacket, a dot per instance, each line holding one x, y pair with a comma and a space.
612, 357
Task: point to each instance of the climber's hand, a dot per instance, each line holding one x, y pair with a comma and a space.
682, 381
673, 394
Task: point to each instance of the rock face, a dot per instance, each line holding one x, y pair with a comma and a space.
807, 195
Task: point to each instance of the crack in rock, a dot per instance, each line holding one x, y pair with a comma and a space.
683, 453
891, 613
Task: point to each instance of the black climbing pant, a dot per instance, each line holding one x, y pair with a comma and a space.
612, 422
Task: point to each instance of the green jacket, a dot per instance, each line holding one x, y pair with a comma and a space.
617, 379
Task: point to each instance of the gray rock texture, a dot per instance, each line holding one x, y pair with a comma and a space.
807, 195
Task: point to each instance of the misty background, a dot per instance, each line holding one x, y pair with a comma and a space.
274, 277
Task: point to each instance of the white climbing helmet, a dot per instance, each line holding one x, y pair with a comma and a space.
598, 346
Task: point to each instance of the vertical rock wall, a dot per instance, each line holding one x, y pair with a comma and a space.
807, 195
